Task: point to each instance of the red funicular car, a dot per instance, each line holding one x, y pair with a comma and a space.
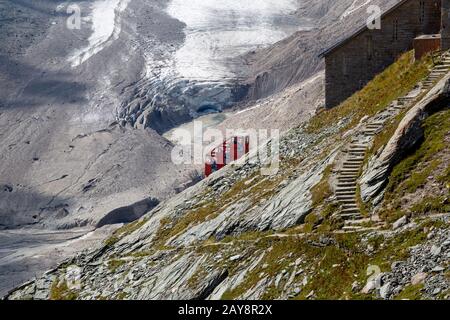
230, 150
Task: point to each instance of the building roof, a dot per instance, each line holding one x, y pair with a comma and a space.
359, 31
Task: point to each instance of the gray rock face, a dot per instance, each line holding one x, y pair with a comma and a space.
400, 223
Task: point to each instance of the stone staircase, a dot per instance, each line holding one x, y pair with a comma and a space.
349, 173
438, 72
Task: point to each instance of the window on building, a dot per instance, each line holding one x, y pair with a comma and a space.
422, 12
344, 65
395, 31
369, 48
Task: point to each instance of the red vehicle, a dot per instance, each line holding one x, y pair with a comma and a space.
230, 150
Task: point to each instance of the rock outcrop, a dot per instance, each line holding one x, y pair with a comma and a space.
406, 136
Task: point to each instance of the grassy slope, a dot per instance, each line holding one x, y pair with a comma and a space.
394, 82
416, 172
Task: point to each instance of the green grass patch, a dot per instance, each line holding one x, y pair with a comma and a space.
432, 205
413, 171
411, 293
123, 231
397, 248
115, 264
60, 291
394, 82
321, 191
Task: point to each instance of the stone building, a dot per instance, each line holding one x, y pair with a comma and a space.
354, 61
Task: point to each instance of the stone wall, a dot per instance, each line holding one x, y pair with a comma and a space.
445, 31
350, 66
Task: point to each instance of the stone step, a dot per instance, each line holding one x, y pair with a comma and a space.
371, 129
358, 161
352, 166
353, 189
359, 230
352, 206
358, 154
374, 127
354, 213
353, 163
436, 73
350, 175
361, 221
346, 185
442, 67
357, 146
366, 132
346, 194
348, 179
351, 216
348, 170
347, 198
351, 228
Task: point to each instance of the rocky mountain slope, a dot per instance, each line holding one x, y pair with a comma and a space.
71, 88
80, 122
65, 161
241, 234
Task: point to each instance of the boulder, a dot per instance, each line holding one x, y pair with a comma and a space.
419, 278
403, 221
386, 290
